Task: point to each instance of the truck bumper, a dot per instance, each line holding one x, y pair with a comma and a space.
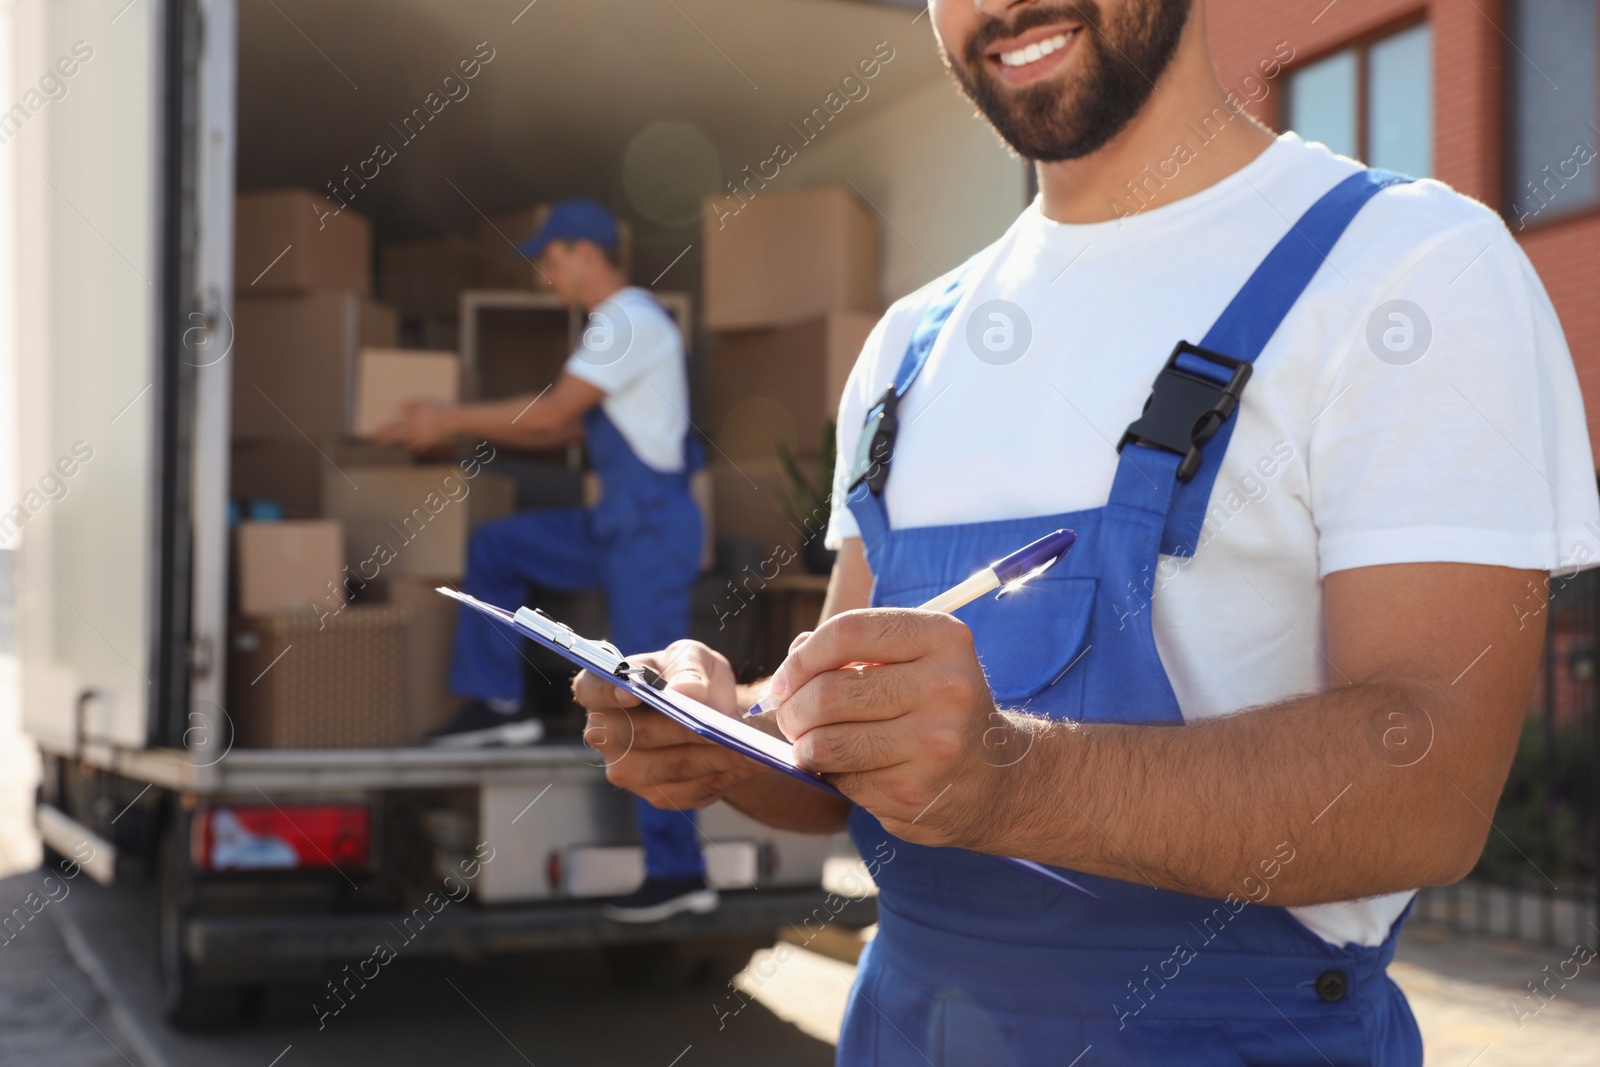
227, 944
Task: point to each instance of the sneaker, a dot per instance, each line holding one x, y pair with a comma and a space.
660, 899
480, 726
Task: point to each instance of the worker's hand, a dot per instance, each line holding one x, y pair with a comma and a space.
423, 426
647, 753
913, 738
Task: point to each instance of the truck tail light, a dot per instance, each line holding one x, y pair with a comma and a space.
287, 837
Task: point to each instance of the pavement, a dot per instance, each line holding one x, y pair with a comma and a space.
552, 1010
1471, 1000
50, 1011
78, 988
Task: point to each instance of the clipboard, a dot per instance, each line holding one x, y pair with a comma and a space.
604, 659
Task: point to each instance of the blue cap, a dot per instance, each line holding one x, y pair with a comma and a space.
573, 220
1030, 561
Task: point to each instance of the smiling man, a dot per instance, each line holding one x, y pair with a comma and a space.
1320, 438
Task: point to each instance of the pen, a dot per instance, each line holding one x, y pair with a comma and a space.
1007, 574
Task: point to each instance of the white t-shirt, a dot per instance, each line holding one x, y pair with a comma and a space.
632, 350
1455, 432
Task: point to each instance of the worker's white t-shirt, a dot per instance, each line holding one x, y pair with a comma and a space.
1454, 432
632, 350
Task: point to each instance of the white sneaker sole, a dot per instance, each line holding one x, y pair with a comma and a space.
700, 902
525, 732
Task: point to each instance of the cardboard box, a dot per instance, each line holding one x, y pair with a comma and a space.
503, 267
288, 239
413, 522
389, 378
290, 472
752, 501
297, 679
294, 361
429, 642
788, 256
288, 565
782, 384
378, 325
425, 278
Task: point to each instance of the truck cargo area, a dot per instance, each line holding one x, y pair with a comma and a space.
330, 197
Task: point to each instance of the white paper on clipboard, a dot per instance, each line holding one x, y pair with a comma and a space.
736, 730
605, 660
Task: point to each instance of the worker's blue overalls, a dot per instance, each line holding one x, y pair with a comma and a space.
641, 543
977, 963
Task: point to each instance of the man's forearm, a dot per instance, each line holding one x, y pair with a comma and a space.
513, 424
1372, 787
785, 803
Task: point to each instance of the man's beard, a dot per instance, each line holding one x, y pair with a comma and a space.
1118, 69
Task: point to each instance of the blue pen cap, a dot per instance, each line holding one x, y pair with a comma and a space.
1029, 558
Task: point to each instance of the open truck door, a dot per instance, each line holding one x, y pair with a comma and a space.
125, 169
125, 188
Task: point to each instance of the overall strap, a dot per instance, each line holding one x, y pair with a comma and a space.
872, 518
694, 453
1198, 390
875, 447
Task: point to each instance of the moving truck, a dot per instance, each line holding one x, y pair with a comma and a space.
133, 129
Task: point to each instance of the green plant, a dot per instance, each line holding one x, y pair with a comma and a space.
810, 502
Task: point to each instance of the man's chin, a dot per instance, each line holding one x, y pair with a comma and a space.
1012, 119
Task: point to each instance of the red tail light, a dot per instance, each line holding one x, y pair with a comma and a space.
283, 837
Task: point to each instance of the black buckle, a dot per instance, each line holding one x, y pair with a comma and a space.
643, 675
876, 444
1185, 409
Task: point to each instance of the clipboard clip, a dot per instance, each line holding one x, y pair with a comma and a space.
602, 654
641, 675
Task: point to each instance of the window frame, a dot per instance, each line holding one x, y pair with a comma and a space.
1508, 125
1361, 44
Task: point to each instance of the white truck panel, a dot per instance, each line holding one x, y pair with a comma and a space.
88, 171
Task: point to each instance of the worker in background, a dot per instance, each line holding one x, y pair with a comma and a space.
625, 393
1277, 683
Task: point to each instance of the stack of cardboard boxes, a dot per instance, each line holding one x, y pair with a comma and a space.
791, 292
339, 639
423, 279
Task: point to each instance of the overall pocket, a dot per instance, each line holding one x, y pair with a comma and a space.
1029, 643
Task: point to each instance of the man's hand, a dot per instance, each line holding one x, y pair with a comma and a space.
1430, 668
910, 737
649, 754
423, 426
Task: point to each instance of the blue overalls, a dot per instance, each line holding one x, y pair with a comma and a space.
641, 543
976, 963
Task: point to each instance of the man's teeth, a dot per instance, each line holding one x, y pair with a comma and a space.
1034, 52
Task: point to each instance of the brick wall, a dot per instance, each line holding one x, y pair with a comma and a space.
1468, 91
1567, 257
